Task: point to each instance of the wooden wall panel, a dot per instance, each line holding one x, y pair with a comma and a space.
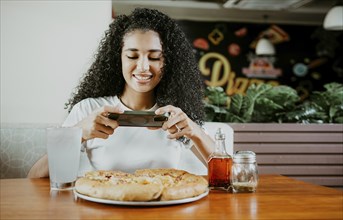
300, 170
295, 148
311, 153
305, 159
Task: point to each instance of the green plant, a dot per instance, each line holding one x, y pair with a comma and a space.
322, 107
216, 102
265, 103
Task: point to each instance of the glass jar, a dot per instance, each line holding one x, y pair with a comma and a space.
244, 175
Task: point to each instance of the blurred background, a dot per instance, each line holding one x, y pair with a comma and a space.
46, 47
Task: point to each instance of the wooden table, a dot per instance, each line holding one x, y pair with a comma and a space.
277, 197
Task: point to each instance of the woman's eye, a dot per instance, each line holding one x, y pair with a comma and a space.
153, 58
131, 57
150, 58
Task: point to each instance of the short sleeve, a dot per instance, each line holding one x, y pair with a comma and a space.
80, 111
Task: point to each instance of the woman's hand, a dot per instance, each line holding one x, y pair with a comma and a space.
178, 124
97, 124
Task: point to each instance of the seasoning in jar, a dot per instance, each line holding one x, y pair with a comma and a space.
244, 174
219, 164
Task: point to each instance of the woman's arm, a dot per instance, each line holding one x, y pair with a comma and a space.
203, 145
179, 124
40, 168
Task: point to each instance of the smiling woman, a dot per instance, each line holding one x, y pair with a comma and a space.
144, 63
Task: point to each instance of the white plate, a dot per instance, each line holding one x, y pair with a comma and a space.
152, 203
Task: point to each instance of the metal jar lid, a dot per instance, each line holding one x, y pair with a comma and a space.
244, 157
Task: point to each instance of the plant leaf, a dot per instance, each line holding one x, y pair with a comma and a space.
236, 104
253, 93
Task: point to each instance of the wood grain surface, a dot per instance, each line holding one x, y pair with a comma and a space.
277, 197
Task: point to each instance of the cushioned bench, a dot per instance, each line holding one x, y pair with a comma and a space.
21, 146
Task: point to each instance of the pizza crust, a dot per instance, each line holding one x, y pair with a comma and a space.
189, 186
119, 192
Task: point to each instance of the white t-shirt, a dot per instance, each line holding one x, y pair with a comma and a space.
128, 148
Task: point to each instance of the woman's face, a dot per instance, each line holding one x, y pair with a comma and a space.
142, 60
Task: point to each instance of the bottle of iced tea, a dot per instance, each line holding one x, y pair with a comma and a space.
219, 164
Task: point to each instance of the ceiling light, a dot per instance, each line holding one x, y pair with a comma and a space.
334, 19
264, 47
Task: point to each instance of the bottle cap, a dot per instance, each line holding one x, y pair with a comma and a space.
244, 156
219, 135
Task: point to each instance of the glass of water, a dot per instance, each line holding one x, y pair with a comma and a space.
63, 147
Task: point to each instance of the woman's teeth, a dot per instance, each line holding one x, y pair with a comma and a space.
142, 77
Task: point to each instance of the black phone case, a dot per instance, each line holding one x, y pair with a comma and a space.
139, 118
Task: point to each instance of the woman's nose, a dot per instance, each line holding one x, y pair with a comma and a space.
143, 64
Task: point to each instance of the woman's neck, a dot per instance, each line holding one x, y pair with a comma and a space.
138, 101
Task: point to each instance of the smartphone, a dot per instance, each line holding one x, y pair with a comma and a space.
139, 118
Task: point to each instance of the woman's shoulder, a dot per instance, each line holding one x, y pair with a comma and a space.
83, 108
93, 103
106, 100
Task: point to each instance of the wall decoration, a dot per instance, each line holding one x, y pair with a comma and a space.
242, 32
261, 67
274, 34
201, 43
307, 56
216, 36
234, 49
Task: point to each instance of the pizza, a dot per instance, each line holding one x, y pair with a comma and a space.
143, 185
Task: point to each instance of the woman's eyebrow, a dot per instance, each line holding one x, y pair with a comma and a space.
131, 49
135, 49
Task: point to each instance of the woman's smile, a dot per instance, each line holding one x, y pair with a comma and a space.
143, 78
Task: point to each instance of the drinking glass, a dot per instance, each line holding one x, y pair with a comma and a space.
63, 147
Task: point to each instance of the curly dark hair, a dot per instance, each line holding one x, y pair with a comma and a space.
181, 84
